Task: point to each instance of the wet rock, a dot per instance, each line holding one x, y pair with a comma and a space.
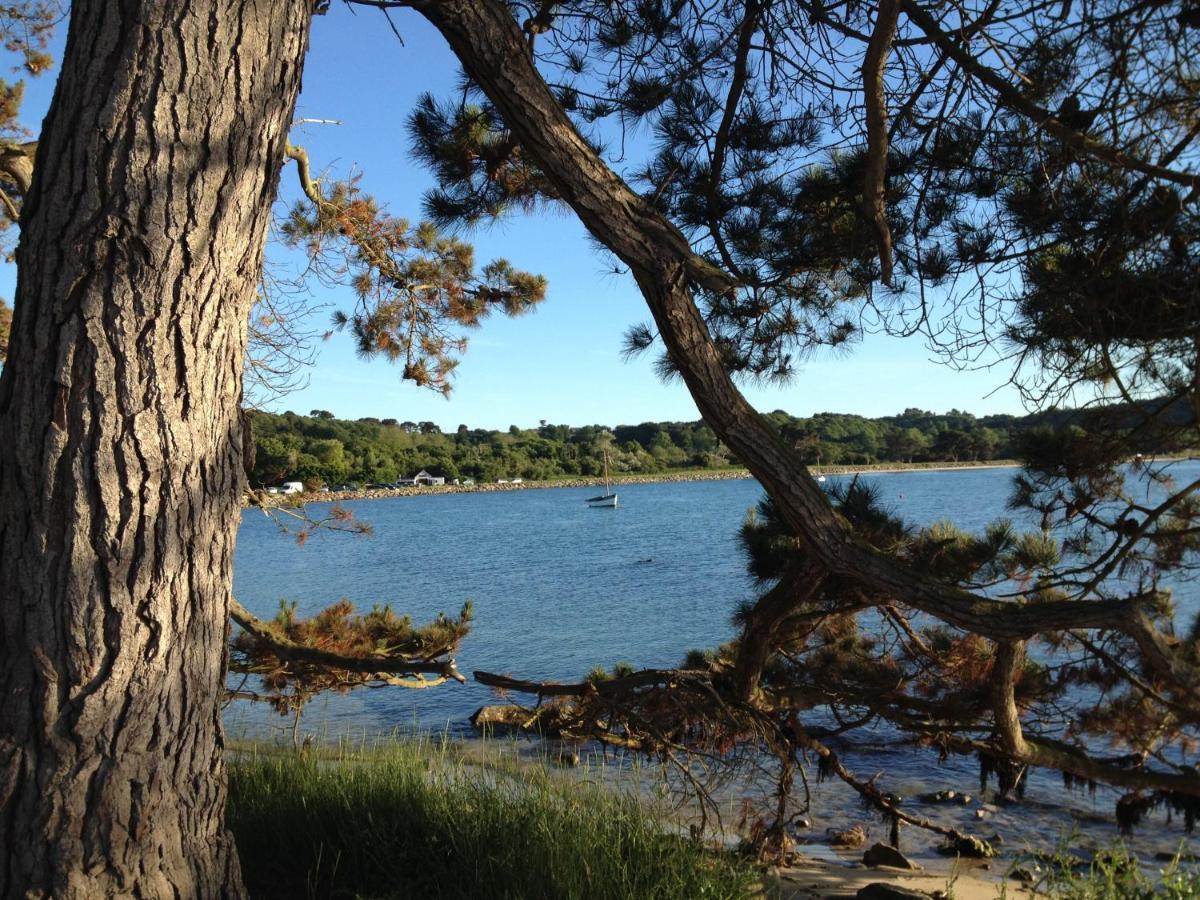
939, 797
1023, 874
879, 890
801, 823
946, 797
967, 847
1064, 861
850, 838
883, 855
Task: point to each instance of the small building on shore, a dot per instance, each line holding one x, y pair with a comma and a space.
424, 477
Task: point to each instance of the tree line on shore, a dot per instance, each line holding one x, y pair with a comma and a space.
320, 448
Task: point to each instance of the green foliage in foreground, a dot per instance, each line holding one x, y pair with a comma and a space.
409, 821
1113, 874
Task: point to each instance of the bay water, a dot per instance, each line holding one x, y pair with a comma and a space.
559, 587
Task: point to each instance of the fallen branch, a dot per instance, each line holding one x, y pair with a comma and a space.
965, 844
641, 679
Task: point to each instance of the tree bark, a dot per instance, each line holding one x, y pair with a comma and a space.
121, 442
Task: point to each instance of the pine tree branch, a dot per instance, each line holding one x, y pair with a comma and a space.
16, 164
737, 86
757, 642
1011, 97
311, 189
492, 49
384, 665
1009, 655
636, 681
875, 172
16, 167
965, 843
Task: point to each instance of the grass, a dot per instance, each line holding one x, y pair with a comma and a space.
1112, 874
410, 819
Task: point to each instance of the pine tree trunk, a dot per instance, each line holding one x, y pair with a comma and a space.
121, 442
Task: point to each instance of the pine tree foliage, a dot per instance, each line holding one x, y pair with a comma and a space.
417, 290
1013, 184
483, 171
999, 229
291, 680
934, 682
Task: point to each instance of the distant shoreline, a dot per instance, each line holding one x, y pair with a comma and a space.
647, 478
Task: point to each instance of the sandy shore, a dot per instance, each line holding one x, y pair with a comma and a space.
809, 879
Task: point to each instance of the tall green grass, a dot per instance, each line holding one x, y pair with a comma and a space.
407, 819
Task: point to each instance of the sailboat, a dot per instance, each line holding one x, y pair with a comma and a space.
608, 499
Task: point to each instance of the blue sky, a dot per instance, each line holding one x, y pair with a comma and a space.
561, 363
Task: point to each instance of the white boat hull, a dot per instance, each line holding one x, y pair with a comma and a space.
609, 502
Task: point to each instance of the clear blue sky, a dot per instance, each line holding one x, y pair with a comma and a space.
561, 363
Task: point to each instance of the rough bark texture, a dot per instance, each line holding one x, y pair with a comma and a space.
121, 442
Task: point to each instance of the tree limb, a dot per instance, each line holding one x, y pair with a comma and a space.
1007, 661
757, 643
1042, 117
875, 172
493, 51
873, 795
304, 174
383, 664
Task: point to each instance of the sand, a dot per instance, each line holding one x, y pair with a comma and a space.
813, 878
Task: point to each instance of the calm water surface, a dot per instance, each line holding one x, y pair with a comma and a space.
559, 587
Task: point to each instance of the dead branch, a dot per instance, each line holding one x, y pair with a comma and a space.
966, 844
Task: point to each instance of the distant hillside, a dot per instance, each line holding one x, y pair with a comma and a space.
321, 448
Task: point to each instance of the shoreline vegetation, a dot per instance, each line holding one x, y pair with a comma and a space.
321, 450
730, 474
416, 816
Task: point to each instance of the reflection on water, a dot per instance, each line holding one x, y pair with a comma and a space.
560, 587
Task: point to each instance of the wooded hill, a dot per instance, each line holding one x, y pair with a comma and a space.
319, 447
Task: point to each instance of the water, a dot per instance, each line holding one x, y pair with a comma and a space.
559, 587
